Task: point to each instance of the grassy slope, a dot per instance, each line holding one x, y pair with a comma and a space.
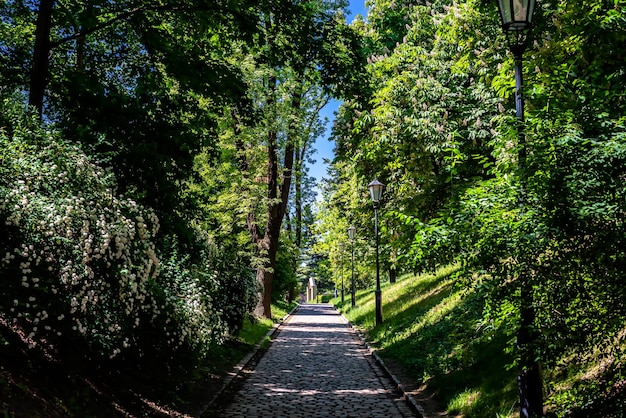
433, 333
33, 384
431, 330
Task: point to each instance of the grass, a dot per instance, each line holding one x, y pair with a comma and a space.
434, 334
254, 332
432, 330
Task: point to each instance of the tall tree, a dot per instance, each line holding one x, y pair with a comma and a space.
313, 128
287, 69
122, 78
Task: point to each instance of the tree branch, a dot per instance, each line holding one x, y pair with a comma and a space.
130, 13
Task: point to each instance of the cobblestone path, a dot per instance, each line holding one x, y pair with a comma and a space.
317, 367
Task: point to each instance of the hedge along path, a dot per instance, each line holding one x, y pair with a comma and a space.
317, 367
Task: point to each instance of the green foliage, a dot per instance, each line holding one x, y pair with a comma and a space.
432, 124
87, 270
285, 285
16, 40
342, 58
423, 125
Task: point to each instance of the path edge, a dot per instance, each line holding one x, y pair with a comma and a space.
413, 404
238, 368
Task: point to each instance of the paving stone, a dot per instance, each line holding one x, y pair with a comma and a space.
316, 367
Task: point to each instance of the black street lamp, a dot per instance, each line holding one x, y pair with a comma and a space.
516, 16
342, 285
352, 236
376, 191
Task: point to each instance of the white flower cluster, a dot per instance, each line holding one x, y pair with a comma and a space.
189, 296
79, 261
73, 248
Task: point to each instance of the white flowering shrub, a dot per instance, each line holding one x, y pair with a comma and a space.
208, 299
187, 292
84, 268
75, 259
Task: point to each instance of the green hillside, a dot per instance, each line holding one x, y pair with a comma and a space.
437, 338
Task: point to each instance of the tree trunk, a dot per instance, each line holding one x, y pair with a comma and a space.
392, 274
298, 197
278, 196
265, 275
41, 55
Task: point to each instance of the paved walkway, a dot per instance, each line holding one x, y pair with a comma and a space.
317, 367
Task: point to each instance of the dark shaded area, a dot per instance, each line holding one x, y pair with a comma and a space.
38, 383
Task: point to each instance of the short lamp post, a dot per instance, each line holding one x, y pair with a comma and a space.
516, 17
342, 282
352, 236
376, 191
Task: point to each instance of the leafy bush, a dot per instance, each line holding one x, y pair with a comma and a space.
236, 290
78, 259
203, 299
285, 285
85, 266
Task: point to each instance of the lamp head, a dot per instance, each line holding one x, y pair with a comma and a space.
376, 191
516, 17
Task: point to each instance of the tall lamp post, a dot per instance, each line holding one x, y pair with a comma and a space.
342, 283
376, 191
352, 236
516, 16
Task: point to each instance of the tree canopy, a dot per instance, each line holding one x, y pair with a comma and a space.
155, 193
435, 122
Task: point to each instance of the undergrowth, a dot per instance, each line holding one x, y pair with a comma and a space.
39, 384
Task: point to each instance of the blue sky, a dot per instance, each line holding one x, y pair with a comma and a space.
357, 7
323, 146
